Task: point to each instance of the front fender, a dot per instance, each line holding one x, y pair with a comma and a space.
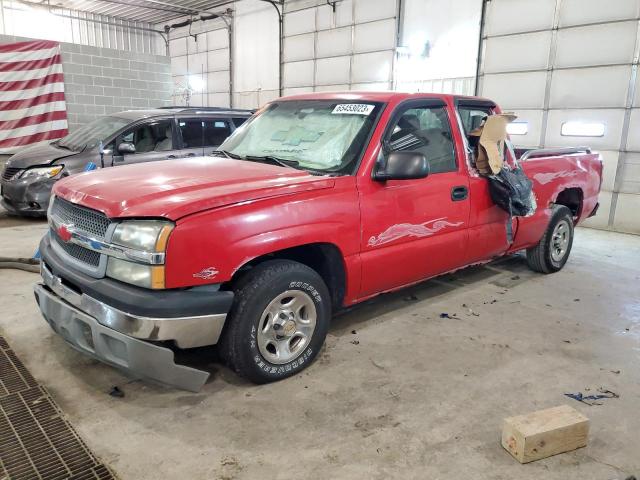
211, 246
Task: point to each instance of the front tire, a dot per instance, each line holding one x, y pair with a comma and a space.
278, 322
552, 252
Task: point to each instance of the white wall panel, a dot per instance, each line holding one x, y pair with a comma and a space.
296, 90
179, 66
458, 86
612, 119
302, 21
197, 45
255, 63
218, 60
514, 16
369, 10
208, 52
631, 174
178, 47
342, 17
577, 12
590, 87
529, 51
324, 49
245, 99
601, 220
266, 96
516, 90
332, 88
198, 63
198, 100
253, 99
596, 45
439, 40
332, 71
534, 125
298, 74
375, 36
626, 216
220, 99
299, 47
633, 140
218, 81
372, 67
217, 39
372, 87
610, 165
334, 42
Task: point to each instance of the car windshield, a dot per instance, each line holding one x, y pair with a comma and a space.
319, 135
92, 133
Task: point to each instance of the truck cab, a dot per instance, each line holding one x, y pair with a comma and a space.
316, 203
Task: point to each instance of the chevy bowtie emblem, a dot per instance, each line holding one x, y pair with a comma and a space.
64, 232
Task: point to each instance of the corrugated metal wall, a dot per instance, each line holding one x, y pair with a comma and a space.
22, 20
573, 63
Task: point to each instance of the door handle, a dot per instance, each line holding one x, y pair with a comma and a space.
459, 193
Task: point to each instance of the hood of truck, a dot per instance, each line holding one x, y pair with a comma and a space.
38, 155
175, 188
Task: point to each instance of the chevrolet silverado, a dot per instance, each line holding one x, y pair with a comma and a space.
316, 203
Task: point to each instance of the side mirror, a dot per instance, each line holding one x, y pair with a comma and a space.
403, 166
126, 148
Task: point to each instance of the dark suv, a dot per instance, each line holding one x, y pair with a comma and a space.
132, 136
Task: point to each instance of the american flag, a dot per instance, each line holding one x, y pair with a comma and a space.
32, 105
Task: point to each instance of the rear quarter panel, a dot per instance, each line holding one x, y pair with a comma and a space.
550, 176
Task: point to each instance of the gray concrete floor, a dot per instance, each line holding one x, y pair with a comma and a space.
409, 395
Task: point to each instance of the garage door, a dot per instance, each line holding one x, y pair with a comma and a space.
200, 59
568, 69
343, 45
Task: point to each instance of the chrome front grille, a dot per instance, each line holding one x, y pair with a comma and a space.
91, 223
81, 254
9, 173
85, 219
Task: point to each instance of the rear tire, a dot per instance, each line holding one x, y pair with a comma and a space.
278, 321
552, 252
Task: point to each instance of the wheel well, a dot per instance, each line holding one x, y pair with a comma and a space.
324, 258
572, 199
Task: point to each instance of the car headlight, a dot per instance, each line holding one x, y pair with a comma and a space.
147, 276
47, 172
139, 238
145, 235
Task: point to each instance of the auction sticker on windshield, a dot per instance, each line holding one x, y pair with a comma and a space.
353, 108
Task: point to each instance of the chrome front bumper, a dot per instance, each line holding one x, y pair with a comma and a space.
186, 332
121, 339
137, 357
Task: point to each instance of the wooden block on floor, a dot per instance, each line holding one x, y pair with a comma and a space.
545, 433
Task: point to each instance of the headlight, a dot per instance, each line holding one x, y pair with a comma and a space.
139, 236
147, 276
145, 235
47, 172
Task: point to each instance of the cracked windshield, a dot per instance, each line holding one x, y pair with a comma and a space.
322, 136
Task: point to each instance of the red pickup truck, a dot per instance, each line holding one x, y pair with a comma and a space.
316, 203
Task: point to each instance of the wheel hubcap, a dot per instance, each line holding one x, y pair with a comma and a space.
286, 326
560, 241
